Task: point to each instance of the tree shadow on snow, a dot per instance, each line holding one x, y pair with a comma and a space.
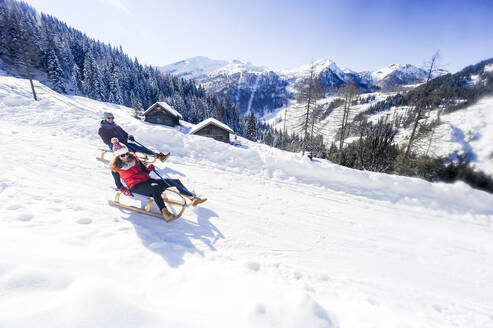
172, 240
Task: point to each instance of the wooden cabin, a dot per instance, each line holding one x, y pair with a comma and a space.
162, 113
212, 128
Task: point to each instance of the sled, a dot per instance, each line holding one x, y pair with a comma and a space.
169, 197
145, 158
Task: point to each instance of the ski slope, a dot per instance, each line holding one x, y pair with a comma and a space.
281, 242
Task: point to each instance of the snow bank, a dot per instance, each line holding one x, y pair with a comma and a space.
281, 241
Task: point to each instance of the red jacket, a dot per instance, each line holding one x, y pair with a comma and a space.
133, 175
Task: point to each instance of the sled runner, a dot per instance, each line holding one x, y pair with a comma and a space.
172, 199
145, 158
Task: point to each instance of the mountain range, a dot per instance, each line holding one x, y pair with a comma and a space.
262, 90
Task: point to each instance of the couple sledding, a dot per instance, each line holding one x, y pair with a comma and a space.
128, 167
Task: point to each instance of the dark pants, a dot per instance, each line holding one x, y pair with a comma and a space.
133, 147
155, 187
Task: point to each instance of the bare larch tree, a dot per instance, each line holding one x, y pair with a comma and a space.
348, 93
309, 91
421, 104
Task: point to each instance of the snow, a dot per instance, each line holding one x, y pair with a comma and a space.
237, 66
330, 125
281, 242
466, 131
208, 121
202, 66
470, 130
318, 66
193, 67
406, 69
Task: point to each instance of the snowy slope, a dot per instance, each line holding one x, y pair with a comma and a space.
329, 126
468, 131
281, 242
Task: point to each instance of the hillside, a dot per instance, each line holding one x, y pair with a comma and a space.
281, 242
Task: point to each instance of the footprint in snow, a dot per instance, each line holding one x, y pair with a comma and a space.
24, 217
84, 221
254, 266
15, 207
437, 307
297, 275
260, 309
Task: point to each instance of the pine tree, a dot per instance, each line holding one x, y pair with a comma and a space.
114, 88
55, 73
251, 127
217, 110
88, 75
137, 107
76, 79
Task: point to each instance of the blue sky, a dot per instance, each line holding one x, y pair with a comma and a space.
360, 35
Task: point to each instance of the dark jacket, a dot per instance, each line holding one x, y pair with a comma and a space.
109, 130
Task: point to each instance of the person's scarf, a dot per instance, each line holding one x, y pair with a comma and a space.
128, 164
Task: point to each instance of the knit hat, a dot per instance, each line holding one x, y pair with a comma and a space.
107, 114
118, 147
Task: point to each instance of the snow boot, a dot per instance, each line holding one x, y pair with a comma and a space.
167, 215
196, 201
162, 157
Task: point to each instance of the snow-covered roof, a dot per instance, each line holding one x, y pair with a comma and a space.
210, 121
167, 107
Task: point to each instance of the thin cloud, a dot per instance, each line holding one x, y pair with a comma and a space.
118, 4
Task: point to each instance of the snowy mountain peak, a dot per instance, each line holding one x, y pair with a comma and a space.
318, 66
406, 69
237, 66
192, 68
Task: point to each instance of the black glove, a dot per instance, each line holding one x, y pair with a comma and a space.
131, 138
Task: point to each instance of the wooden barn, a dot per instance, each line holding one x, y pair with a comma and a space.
212, 128
162, 113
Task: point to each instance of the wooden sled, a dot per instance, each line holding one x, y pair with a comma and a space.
145, 158
147, 209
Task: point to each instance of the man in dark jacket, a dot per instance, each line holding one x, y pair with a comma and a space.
109, 129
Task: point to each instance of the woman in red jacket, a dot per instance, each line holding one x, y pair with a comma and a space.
127, 167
